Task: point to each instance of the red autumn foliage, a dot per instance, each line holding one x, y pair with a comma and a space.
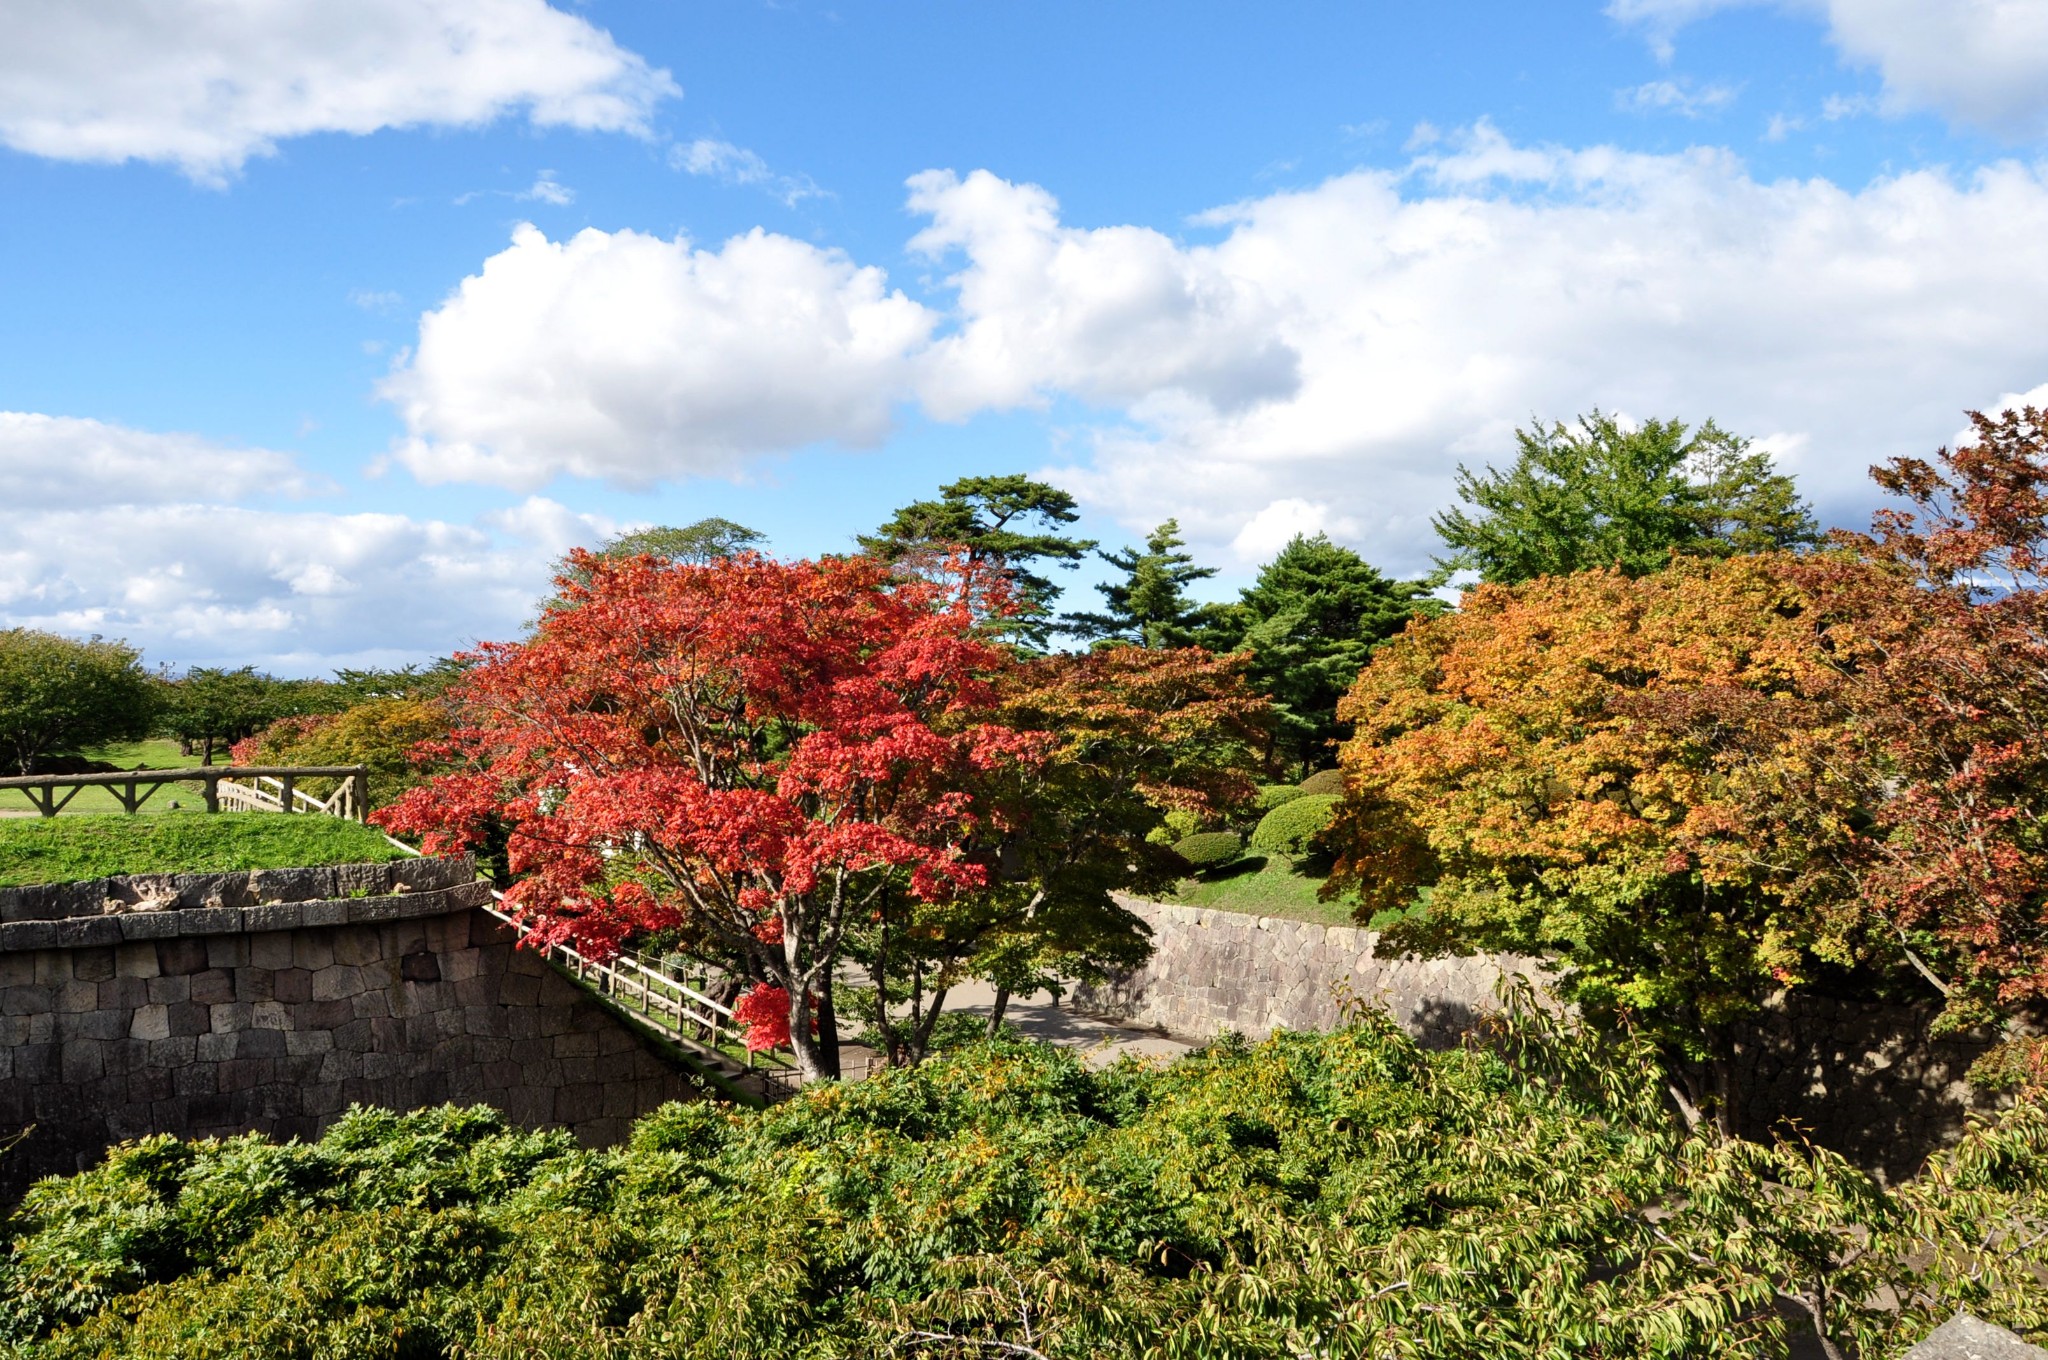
764, 1013
756, 748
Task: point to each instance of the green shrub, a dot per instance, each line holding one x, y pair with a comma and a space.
1273, 795
1182, 822
1209, 849
1529, 1189
1287, 829
1323, 781
96, 845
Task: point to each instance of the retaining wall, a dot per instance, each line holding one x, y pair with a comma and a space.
211, 1004
1862, 1078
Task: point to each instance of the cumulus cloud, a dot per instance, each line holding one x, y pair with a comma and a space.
206, 84
1117, 315
634, 358
137, 534
1979, 61
52, 461
1542, 281
296, 591
1323, 363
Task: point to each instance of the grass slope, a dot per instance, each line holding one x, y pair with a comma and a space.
66, 849
1266, 885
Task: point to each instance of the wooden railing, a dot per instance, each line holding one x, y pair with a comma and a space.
272, 788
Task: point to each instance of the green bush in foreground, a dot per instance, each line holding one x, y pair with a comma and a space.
1323, 781
1273, 795
1287, 829
1343, 1195
68, 849
1209, 849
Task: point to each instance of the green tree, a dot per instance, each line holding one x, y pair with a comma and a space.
211, 707
58, 694
1009, 522
1310, 621
1603, 496
1150, 606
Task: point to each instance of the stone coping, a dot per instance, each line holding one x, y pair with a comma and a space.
248, 888
94, 932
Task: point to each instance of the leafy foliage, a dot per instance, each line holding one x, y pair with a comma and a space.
1603, 496
210, 707
1149, 607
984, 520
1323, 781
1273, 795
765, 751
58, 694
1342, 1195
1289, 828
1209, 849
381, 734
1516, 756
1310, 620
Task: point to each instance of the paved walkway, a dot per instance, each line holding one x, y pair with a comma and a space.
1038, 1018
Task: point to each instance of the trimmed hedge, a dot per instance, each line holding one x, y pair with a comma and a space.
1323, 781
1209, 849
1286, 829
1273, 795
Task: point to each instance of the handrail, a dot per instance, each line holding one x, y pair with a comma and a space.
26, 781
133, 788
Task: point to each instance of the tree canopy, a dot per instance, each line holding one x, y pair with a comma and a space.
1310, 621
1149, 607
58, 694
1600, 495
210, 706
1513, 759
1006, 522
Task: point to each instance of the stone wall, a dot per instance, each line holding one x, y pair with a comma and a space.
1865, 1079
1217, 970
213, 1004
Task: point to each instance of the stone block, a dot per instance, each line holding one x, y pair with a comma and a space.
292, 885
149, 1084
261, 1043
136, 960
230, 1017
357, 946
123, 993
34, 999
301, 1043
190, 1017
181, 957
213, 986
228, 952
198, 922
289, 985
165, 990
149, 925
76, 998
370, 910
22, 935
1964, 1337
82, 1061
313, 950
268, 1015
420, 967
92, 1024
336, 982
362, 880
202, 1077
276, 916
92, 965
325, 1015
89, 932
150, 1022
326, 913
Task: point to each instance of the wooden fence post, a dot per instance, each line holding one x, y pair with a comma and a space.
359, 794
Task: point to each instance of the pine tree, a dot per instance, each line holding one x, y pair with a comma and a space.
1149, 607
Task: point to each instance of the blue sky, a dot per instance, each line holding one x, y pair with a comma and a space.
322, 330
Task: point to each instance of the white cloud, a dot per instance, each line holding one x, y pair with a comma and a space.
1978, 61
1324, 364
375, 300
547, 189
1267, 532
1118, 315
59, 461
729, 164
1681, 97
206, 84
633, 358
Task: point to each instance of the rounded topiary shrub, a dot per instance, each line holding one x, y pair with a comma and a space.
1209, 849
1323, 781
1287, 829
1273, 795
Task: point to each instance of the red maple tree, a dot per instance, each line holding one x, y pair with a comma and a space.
757, 748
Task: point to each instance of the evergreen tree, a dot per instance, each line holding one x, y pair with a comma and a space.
990, 517
1310, 620
1149, 607
1602, 496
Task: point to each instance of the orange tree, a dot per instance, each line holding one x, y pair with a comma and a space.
762, 752
1576, 767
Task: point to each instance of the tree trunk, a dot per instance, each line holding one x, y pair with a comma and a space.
828, 1029
995, 1015
206, 755
1727, 1087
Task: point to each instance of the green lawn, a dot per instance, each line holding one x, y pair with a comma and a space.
65, 849
1265, 885
156, 753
